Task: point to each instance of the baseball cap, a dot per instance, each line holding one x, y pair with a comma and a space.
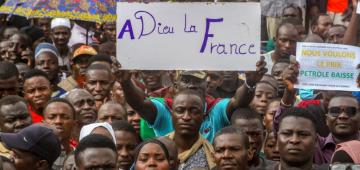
84, 50
36, 139
197, 74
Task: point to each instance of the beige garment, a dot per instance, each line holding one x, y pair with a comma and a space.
271, 25
200, 143
337, 19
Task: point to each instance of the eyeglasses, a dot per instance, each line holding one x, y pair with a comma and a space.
344, 167
336, 111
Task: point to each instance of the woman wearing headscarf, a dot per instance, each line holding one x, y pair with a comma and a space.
104, 129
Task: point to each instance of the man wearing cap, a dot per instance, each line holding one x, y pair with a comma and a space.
46, 59
33, 148
79, 63
156, 111
60, 34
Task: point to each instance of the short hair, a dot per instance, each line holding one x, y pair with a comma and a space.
294, 7
234, 130
298, 112
26, 38
8, 70
191, 92
98, 67
11, 99
284, 25
315, 20
245, 113
98, 57
3, 29
293, 21
122, 125
35, 73
61, 100
93, 141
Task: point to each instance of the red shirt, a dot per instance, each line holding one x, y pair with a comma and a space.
337, 6
36, 118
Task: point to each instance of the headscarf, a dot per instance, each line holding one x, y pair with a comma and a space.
351, 148
87, 129
46, 47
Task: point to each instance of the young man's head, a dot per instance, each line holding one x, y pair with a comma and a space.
80, 60
335, 34
285, 40
37, 89
61, 114
152, 79
232, 149
110, 31
188, 113
111, 111
84, 105
277, 70
126, 142
296, 138
19, 42
194, 80
133, 117
251, 123
292, 12
343, 117
9, 79
14, 114
99, 81
60, 32
96, 151
321, 24
33, 148
46, 59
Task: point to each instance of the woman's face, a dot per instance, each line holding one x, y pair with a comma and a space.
151, 156
270, 149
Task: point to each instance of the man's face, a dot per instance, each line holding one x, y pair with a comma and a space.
230, 152
61, 36
84, 105
9, 32
269, 115
81, 63
126, 143
16, 47
263, 93
110, 31
44, 24
343, 124
4, 45
152, 79
285, 41
214, 80
111, 112
24, 160
98, 83
48, 63
9, 86
37, 91
324, 24
335, 35
133, 118
253, 128
187, 114
277, 71
191, 82
291, 13
14, 117
96, 158
296, 140
61, 116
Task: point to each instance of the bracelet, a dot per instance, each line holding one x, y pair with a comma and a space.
251, 88
285, 105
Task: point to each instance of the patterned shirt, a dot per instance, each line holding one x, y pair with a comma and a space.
198, 160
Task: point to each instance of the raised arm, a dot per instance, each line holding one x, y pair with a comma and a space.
350, 37
245, 93
289, 76
135, 98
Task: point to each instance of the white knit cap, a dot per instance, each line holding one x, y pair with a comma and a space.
56, 22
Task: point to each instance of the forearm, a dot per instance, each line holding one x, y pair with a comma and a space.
242, 98
289, 97
350, 37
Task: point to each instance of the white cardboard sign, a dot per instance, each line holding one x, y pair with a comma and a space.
189, 36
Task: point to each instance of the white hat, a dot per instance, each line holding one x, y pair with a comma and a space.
56, 22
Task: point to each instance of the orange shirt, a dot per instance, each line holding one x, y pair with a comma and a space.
337, 6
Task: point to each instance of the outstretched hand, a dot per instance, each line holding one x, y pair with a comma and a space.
123, 75
253, 77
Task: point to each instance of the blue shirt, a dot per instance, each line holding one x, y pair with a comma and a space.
213, 122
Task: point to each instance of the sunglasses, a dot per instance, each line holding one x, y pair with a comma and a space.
336, 111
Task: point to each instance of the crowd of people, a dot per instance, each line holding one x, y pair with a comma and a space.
65, 102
